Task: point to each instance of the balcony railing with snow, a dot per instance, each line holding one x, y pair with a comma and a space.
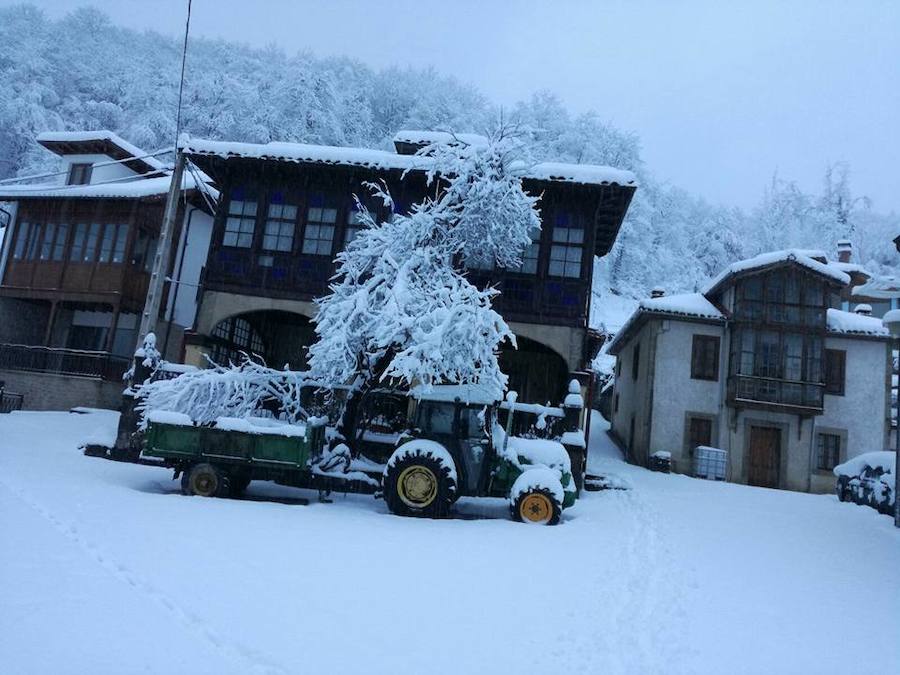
72, 362
769, 391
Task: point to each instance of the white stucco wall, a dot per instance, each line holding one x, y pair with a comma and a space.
6, 236
863, 411
676, 394
634, 396
193, 247
99, 174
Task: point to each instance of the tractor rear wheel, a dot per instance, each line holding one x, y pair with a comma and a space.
205, 480
418, 482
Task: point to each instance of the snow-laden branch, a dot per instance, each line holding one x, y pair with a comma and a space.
233, 391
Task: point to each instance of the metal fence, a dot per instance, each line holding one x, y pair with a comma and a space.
10, 401
75, 362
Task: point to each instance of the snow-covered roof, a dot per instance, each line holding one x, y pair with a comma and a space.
136, 188
587, 174
49, 139
687, 306
420, 137
850, 323
798, 256
448, 393
850, 268
878, 288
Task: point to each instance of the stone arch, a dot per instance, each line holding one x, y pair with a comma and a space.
536, 371
278, 337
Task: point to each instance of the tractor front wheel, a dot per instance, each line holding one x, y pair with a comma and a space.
537, 506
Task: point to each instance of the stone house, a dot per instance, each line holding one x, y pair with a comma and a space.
761, 364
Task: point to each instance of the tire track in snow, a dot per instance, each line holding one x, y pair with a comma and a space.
255, 661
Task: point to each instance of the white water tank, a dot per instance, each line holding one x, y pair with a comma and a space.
710, 463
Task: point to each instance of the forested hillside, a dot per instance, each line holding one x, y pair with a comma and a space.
82, 72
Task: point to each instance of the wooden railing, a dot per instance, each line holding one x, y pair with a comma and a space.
75, 362
770, 391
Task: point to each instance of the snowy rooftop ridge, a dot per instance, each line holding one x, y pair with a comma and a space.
801, 257
685, 305
588, 174
99, 135
850, 323
880, 288
421, 137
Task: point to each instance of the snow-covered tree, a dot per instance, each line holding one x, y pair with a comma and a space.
401, 308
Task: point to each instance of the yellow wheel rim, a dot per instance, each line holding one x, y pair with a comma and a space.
417, 486
536, 508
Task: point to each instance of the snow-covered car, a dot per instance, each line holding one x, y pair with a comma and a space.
868, 479
457, 448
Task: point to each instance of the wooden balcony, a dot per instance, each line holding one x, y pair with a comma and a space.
769, 393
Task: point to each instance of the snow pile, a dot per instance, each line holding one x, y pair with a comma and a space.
851, 323
538, 478
688, 305
418, 137
133, 188
260, 425
168, 417
771, 258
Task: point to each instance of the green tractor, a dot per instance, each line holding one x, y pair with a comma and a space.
457, 447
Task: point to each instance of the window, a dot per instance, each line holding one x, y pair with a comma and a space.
106, 246
59, 246
240, 223
24, 231
635, 361
835, 371
829, 451
699, 432
235, 337
90, 247
34, 242
616, 403
566, 250
705, 357
278, 234
531, 254
121, 240
319, 235
80, 174
781, 297
144, 251
79, 242
47, 245
618, 367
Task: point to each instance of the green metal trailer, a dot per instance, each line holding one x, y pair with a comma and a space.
221, 459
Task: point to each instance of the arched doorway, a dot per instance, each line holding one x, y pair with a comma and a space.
535, 371
278, 338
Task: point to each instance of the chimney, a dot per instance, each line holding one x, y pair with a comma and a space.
864, 309
658, 292
844, 250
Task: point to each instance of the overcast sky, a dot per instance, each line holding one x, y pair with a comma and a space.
722, 94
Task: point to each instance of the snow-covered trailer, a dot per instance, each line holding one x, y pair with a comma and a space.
221, 459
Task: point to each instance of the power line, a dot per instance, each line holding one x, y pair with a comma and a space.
164, 151
44, 187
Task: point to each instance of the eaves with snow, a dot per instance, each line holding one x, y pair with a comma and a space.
133, 188
302, 153
687, 306
852, 324
814, 261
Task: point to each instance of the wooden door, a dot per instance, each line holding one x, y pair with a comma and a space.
765, 456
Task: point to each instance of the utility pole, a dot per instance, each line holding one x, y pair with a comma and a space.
161, 260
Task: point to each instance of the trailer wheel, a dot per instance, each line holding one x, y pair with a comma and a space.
205, 480
419, 482
537, 506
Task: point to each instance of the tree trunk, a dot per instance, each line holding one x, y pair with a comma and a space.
348, 427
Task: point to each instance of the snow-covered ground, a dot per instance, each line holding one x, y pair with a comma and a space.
106, 568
